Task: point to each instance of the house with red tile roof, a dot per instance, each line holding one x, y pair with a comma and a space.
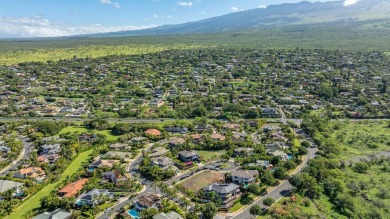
73, 188
153, 132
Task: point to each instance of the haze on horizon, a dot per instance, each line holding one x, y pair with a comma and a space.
47, 18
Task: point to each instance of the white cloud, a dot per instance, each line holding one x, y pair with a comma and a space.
109, 2
11, 27
155, 15
350, 2
234, 9
185, 4
262, 6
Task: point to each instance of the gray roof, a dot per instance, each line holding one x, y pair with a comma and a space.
245, 173
169, 215
222, 188
7, 184
56, 214
188, 153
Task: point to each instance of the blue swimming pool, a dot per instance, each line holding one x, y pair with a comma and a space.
133, 213
289, 156
91, 169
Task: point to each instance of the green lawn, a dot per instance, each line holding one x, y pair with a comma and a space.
34, 201
242, 202
82, 129
210, 155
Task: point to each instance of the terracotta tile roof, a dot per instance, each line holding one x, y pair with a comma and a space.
73, 188
154, 132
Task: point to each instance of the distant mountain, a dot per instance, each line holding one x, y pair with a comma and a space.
275, 16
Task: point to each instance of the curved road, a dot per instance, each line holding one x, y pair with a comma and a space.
277, 193
27, 149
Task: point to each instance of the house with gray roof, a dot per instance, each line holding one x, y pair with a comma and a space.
163, 162
158, 152
93, 197
187, 156
244, 176
226, 192
6, 185
56, 214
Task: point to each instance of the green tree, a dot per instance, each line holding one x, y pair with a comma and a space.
268, 201
255, 210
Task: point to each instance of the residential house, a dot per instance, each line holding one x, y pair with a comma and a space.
163, 162
187, 156
112, 176
118, 155
174, 142
217, 137
244, 176
51, 149
48, 158
197, 138
56, 214
87, 137
156, 103
232, 127
139, 140
6, 185
4, 149
73, 188
169, 215
252, 123
243, 151
159, 151
203, 128
227, 193
36, 173
278, 153
276, 145
148, 201
94, 197
178, 130
103, 163
153, 132
118, 146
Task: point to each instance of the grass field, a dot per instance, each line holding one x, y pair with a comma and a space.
81, 129
202, 180
92, 51
210, 155
361, 138
34, 201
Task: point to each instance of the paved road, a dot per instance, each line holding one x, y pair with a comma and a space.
132, 168
277, 193
27, 149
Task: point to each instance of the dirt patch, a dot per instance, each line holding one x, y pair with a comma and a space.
202, 180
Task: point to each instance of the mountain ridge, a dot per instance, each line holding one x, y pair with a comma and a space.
286, 14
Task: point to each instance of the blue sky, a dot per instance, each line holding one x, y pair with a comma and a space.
41, 18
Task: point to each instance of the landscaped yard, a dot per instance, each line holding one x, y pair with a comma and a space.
210, 155
239, 203
82, 129
202, 180
34, 201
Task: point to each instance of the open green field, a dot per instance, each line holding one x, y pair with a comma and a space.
301, 207
361, 137
210, 155
202, 180
34, 201
91, 51
81, 129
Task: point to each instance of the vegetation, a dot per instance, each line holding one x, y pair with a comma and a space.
34, 202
